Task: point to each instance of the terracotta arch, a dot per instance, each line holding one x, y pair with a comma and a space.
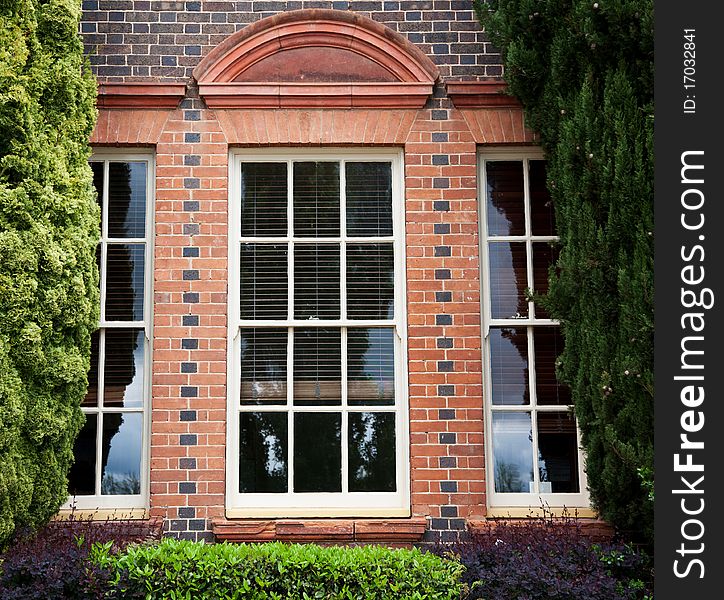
316, 57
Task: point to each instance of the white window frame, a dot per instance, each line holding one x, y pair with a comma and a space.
533, 500
337, 504
140, 500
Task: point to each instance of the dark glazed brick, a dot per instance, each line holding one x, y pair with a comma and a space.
439, 115
191, 275
443, 251
187, 415
447, 437
197, 524
443, 297
457, 524
192, 160
188, 439
191, 252
191, 205
441, 228
189, 344
441, 183
191, 297
189, 391
192, 138
449, 487
445, 366
445, 511
191, 228
444, 342
442, 273
448, 462
443, 205
439, 524
192, 183
192, 115
445, 414
443, 319
188, 464
187, 487
188, 512
189, 367
439, 137
440, 159
446, 389
190, 320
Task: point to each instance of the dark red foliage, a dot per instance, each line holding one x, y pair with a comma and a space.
549, 559
51, 564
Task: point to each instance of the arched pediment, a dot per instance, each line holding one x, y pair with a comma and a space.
316, 57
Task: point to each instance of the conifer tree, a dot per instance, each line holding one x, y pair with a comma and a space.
48, 236
583, 71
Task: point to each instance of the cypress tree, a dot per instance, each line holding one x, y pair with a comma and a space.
48, 236
583, 71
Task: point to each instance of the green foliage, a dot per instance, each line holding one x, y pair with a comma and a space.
48, 235
175, 569
584, 73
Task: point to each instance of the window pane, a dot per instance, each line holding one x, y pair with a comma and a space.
263, 199
82, 475
317, 367
264, 281
505, 198
124, 282
370, 281
91, 396
98, 175
127, 199
512, 452
316, 281
509, 366
508, 280
317, 452
316, 199
263, 453
544, 255
547, 346
264, 366
541, 206
557, 453
370, 366
369, 198
372, 452
121, 453
124, 367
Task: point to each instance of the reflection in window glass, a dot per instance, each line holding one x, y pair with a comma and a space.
317, 367
124, 368
316, 199
264, 281
263, 199
548, 346
372, 452
371, 366
369, 198
513, 452
264, 366
121, 454
82, 475
370, 281
124, 275
317, 452
541, 206
557, 452
316, 281
509, 366
127, 200
508, 280
263, 452
505, 199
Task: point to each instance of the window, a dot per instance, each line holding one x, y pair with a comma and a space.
534, 443
110, 451
316, 415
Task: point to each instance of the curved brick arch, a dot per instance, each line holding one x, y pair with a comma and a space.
316, 57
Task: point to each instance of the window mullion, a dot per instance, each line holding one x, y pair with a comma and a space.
345, 432
100, 401
534, 406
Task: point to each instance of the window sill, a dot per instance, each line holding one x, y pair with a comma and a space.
388, 531
521, 512
104, 514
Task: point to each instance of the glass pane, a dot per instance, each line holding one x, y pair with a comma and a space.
369, 198
263, 199
542, 216
505, 197
263, 453
316, 199
91, 396
370, 281
316, 281
264, 366
544, 255
82, 475
98, 175
513, 453
317, 367
124, 367
264, 279
557, 453
372, 452
548, 346
121, 453
317, 452
509, 366
124, 282
508, 280
127, 199
370, 366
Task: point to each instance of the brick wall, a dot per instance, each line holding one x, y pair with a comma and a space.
140, 39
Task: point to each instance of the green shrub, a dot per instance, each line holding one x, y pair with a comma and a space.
48, 235
176, 569
583, 71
